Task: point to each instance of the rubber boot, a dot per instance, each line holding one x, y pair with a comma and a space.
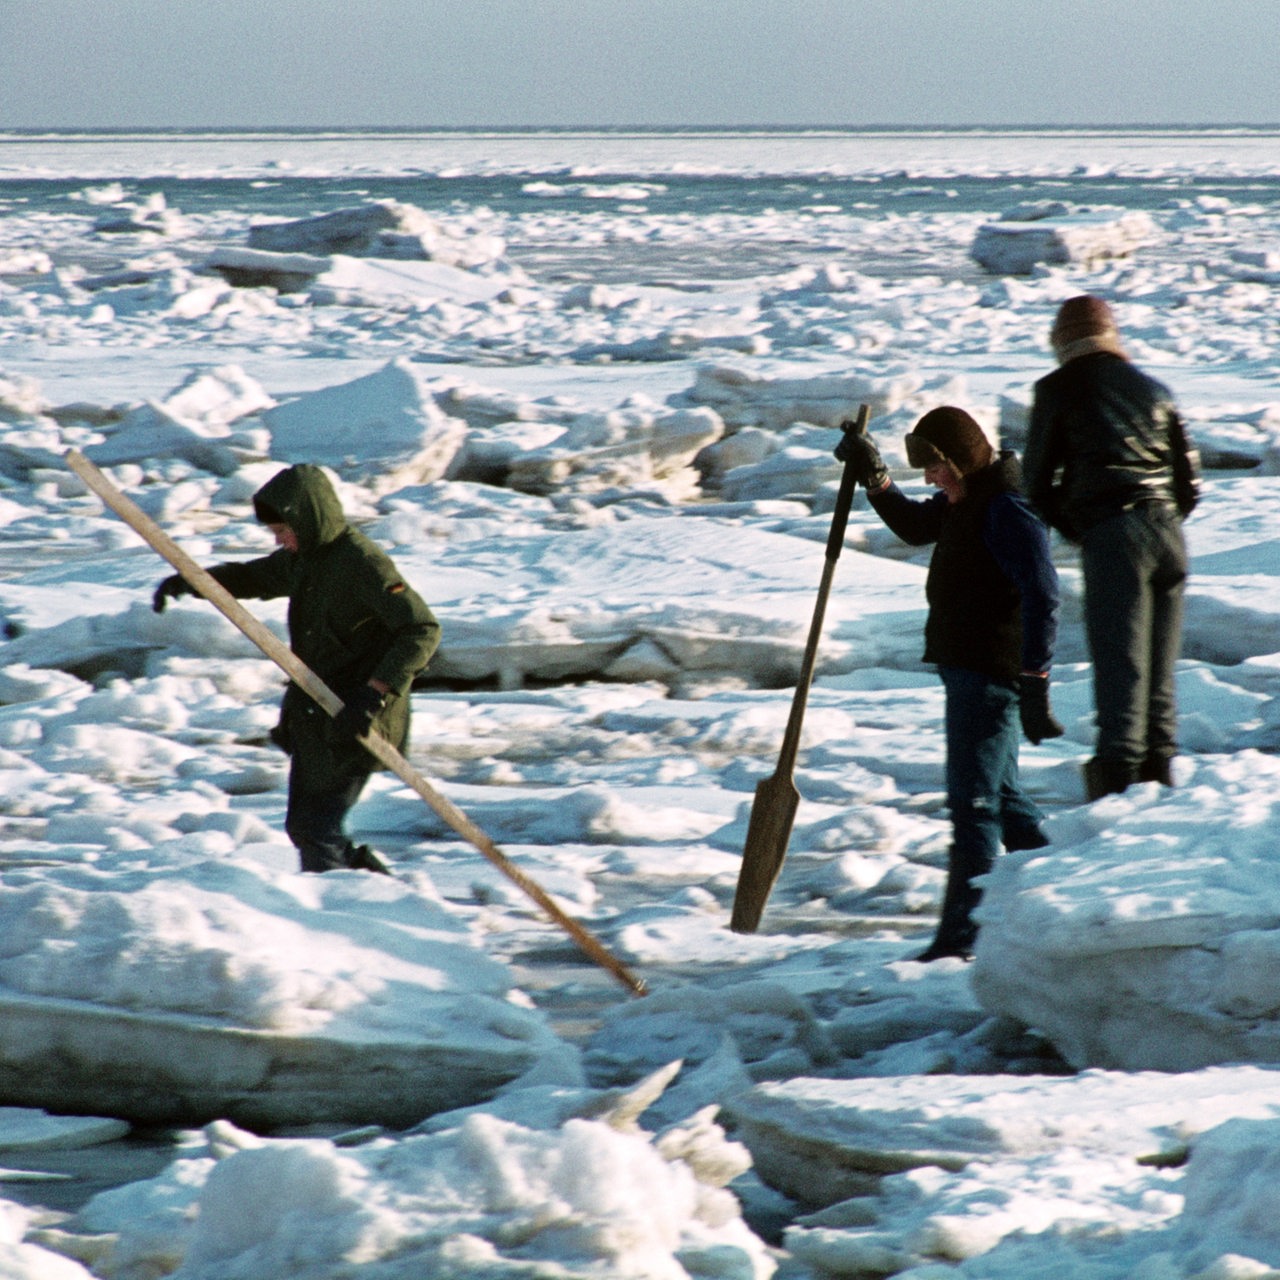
1157, 769
956, 930
1107, 777
363, 858
1023, 837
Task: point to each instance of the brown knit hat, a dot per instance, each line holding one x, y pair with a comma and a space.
1083, 325
949, 435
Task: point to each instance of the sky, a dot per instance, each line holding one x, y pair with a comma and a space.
450, 63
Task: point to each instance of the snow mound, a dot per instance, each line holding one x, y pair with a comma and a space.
485, 1196
219, 989
379, 229
1147, 938
385, 427
928, 1171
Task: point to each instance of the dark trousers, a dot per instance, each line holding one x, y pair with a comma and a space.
1135, 572
323, 787
988, 807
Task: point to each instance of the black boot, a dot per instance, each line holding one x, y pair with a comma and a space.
1157, 768
1016, 839
956, 930
1104, 777
362, 858
939, 949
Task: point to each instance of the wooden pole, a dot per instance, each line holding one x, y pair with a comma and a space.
773, 808
310, 683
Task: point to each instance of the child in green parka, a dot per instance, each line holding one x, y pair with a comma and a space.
356, 623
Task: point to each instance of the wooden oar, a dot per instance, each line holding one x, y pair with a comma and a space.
310, 683
773, 811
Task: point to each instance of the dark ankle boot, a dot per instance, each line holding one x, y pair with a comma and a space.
1157, 768
939, 949
362, 858
956, 931
1016, 839
1104, 777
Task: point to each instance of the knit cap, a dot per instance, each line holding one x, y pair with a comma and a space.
949, 435
1083, 325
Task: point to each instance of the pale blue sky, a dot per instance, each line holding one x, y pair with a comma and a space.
117, 63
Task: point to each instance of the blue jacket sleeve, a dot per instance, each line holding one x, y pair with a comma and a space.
1019, 541
917, 521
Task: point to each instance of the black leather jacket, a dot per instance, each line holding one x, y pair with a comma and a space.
1104, 437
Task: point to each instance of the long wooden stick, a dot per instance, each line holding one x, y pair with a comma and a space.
773, 808
310, 683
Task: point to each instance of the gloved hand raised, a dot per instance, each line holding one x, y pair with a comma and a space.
171, 588
859, 453
358, 711
1038, 720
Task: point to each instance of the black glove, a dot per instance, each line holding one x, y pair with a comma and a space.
859, 453
171, 588
1038, 720
358, 711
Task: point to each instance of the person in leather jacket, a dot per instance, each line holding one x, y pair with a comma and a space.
1108, 464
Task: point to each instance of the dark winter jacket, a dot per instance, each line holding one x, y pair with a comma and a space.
1105, 437
352, 617
992, 588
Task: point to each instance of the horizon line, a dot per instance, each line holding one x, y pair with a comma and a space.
810, 127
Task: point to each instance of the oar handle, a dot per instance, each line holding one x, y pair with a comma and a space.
835, 540
844, 499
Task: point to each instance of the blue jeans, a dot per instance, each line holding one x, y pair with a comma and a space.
988, 807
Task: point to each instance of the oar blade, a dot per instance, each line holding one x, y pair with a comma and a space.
773, 813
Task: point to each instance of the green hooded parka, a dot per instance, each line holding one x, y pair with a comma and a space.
352, 617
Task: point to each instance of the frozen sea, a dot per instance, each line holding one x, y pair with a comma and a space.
583, 386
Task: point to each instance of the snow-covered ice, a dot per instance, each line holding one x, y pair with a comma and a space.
1022, 238
584, 389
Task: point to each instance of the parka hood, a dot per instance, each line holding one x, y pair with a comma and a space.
303, 498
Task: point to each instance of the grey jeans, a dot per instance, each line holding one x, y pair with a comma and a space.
1135, 572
